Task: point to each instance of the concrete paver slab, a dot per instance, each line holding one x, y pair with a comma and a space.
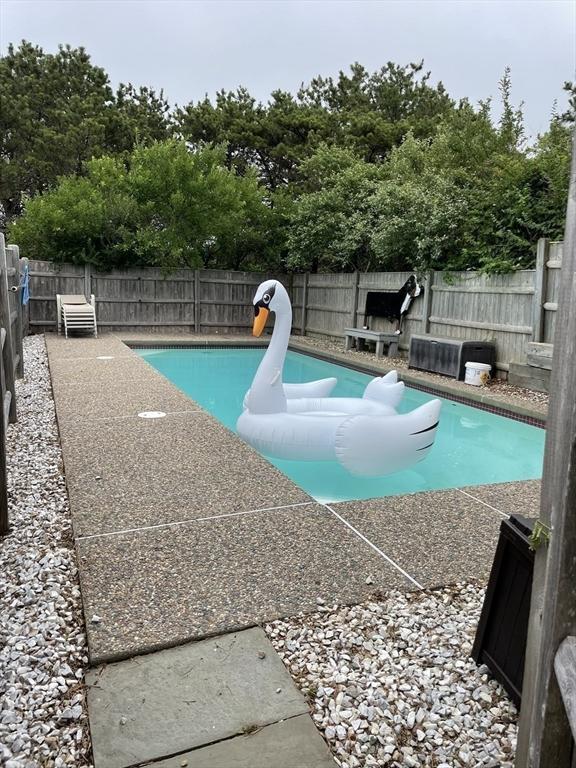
128, 473
439, 537
76, 347
88, 388
126, 369
293, 743
520, 498
122, 401
181, 698
159, 587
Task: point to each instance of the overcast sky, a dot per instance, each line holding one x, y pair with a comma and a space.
190, 48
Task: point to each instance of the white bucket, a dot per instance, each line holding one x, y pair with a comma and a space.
477, 374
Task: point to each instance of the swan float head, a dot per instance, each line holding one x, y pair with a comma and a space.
270, 296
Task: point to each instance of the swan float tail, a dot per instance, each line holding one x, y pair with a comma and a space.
372, 446
386, 390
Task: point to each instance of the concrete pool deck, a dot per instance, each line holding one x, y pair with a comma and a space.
183, 532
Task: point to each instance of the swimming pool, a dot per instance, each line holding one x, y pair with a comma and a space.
473, 447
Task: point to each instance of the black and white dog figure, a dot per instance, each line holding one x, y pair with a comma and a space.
393, 306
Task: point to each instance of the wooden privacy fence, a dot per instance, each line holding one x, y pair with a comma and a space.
196, 301
11, 360
510, 309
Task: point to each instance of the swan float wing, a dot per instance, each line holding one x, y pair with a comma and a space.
318, 388
373, 446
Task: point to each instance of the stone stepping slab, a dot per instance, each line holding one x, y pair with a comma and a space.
177, 700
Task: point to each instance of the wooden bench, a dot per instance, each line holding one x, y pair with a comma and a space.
390, 340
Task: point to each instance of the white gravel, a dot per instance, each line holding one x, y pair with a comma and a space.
391, 682
43, 718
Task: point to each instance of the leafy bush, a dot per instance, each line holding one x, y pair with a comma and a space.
164, 206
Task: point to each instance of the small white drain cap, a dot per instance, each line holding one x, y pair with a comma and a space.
152, 414
105, 357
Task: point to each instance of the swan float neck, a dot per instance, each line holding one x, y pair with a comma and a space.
267, 392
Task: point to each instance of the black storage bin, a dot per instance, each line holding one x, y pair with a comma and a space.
437, 354
500, 641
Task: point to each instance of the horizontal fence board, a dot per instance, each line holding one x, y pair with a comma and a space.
483, 289
108, 300
321, 332
214, 281
38, 273
329, 309
482, 326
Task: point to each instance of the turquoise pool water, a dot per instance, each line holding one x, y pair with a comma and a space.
472, 447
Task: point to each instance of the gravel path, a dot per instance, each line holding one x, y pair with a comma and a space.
43, 719
391, 683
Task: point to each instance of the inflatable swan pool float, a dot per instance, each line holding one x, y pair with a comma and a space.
365, 435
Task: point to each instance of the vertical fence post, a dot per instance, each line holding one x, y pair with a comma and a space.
87, 281
8, 348
290, 290
427, 308
304, 303
14, 260
540, 289
196, 301
4, 522
544, 735
355, 297
24, 266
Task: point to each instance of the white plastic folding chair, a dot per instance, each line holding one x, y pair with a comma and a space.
76, 314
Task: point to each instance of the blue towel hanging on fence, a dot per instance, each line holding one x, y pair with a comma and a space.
25, 285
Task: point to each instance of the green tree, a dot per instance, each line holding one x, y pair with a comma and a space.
550, 166
53, 117
57, 111
367, 113
272, 139
419, 212
374, 111
82, 220
140, 117
471, 196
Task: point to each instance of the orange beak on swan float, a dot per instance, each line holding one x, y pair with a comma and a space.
260, 321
